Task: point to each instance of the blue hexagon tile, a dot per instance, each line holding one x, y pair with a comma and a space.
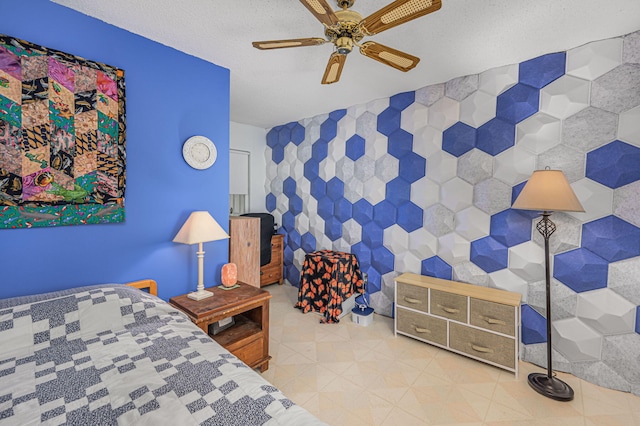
424, 182
436, 267
489, 254
611, 238
614, 165
540, 71
534, 326
581, 270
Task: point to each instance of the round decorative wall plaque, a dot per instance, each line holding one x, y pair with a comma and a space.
199, 152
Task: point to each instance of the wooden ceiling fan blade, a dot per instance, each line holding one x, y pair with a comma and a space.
321, 10
334, 68
281, 44
394, 58
396, 13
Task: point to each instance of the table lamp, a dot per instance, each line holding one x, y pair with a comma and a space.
200, 228
547, 191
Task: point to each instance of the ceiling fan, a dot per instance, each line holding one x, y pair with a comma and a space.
345, 28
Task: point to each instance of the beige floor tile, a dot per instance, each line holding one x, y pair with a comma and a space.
353, 375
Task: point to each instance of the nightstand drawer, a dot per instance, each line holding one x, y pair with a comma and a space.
413, 297
422, 326
270, 274
493, 316
449, 305
251, 352
482, 344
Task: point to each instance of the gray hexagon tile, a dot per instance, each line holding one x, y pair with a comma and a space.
414, 117
631, 48
589, 129
629, 126
596, 199
492, 196
601, 374
565, 96
505, 279
626, 202
441, 167
456, 194
538, 133
567, 235
514, 166
469, 272
478, 108
387, 168
575, 340
472, 223
563, 299
429, 95
594, 59
566, 158
438, 220
327, 169
354, 191
624, 279
497, 80
606, 312
461, 87
618, 90
444, 113
475, 166
364, 168
616, 352
366, 125
304, 153
453, 248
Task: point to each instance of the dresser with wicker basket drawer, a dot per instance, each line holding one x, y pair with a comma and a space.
479, 322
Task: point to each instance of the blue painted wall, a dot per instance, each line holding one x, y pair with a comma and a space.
170, 97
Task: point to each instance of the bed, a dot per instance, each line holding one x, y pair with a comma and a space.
115, 354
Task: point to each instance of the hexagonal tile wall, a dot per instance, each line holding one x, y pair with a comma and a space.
423, 181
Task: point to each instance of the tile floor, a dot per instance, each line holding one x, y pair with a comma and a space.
353, 375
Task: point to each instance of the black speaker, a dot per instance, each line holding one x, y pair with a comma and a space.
267, 223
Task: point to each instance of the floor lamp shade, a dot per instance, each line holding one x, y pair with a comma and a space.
200, 228
547, 191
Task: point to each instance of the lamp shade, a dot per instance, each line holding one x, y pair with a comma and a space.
548, 190
200, 227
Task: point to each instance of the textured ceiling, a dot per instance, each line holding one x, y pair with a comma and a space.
279, 86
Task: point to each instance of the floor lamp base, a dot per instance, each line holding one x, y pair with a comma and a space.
551, 387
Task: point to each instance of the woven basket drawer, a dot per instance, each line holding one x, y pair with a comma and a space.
482, 344
422, 326
449, 305
413, 297
493, 316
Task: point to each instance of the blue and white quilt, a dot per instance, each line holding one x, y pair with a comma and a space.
113, 354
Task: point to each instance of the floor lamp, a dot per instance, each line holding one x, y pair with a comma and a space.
200, 228
548, 191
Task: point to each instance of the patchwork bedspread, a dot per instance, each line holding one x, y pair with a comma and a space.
115, 355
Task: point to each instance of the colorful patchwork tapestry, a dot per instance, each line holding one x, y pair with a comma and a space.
62, 138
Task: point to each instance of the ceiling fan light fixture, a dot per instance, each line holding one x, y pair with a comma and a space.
344, 45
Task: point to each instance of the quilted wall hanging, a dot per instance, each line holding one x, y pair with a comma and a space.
62, 138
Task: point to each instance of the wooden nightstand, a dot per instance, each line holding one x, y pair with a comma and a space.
248, 338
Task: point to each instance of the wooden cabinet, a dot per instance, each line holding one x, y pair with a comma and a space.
272, 271
248, 338
244, 248
479, 322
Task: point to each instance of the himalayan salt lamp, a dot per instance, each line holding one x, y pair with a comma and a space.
229, 275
